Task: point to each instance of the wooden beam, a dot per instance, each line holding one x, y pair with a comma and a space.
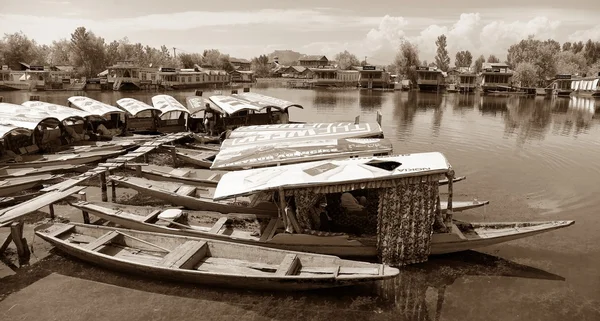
218, 225
51, 210
288, 266
85, 214
6, 243
269, 230
103, 187
186, 255
102, 240
16, 230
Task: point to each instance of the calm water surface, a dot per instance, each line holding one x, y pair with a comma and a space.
533, 158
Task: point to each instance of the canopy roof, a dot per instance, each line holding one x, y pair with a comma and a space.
330, 172
231, 105
7, 129
195, 104
18, 116
93, 106
167, 104
273, 153
58, 111
249, 101
267, 101
300, 132
134, 106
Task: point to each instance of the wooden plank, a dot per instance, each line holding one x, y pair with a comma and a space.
355, 270
61, 230
10, 214
269, 230
151, 216
218, 225
180, 172
289, 265
186, 255
81, 238
213, 176
102, 240
186, 190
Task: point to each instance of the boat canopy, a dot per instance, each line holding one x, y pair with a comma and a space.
195, 104
11, 129
170, 108
264, 101
231, 105
233, 157
17, 116
93, 106
61, 112
365, 172
248, 135
134, 106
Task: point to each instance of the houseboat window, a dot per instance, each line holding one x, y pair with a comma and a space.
143, 76
153, 76
197, 78
190, 79
182, 79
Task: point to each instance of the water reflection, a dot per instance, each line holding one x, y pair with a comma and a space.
491, 105
527, 118
461, 103
572, 116
370, 100
419, 291
404, 112
328, 100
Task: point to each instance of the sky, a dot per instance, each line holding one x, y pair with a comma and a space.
247, 28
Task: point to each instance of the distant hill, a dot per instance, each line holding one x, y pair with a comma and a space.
286, 57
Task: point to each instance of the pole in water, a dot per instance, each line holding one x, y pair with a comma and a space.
85, 214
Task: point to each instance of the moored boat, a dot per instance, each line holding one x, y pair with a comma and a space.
6, 172
13, 185
208, 262
200, 158
191, 176
58, 159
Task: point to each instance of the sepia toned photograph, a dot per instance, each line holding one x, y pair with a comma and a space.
299, 160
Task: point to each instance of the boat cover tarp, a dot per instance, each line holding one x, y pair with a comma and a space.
58, 111
300, 132
264, 101
231, 105
170, 108
93, 106
195, 104
365, 171
6, 129
273, 153
134, 106
19, 116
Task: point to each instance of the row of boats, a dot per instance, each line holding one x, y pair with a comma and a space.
246, 210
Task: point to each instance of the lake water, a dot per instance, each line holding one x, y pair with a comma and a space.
533, 158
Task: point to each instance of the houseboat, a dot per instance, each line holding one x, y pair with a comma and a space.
430, 79
560, 86
372, 77
496, 77
126, 75
324, 77
171, 78
586, 87
30, 77
465, 80
242, 76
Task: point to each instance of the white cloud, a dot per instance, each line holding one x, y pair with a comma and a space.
584, 35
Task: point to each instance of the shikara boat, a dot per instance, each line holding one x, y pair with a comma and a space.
402, 206
13, 185
6, 172
208, 262
194, 197
61, 159
191, 176
200, 158
200, 198
464, 236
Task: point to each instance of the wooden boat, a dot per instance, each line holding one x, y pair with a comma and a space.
402, 207
18, 199
191, 176
200, 198
208, 262
206, 139
6, 172
58, 159
105, 146
194, 197
200, 158
464, 236
16, 184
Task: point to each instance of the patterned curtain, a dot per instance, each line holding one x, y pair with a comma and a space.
405, 220
306, 199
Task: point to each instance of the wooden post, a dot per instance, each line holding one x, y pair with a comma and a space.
86, 215
16, 230
282, 206
113, 191
138, 170
174, 155
51, 206
379, 116
103, 187
450, 176
1, 99
357, 120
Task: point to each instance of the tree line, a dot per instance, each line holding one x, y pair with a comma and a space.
532, 60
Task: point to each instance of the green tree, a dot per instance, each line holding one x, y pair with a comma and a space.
591, 51
577, 47
442, 59
568, 62
19, 48
60, 52
526, 74
346, 60
463, 59
479, 63
493, 59
260, 66
88, 52
594, 70
566, 46
407, 61
211, 57
189, 60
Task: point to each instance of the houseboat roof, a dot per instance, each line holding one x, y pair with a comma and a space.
231, 105
239, 60
330, 172
264, 101
134, 106
17, 116
168, 104
262, 154
312, 58
248, 135
428, 69
93, 106
58, 111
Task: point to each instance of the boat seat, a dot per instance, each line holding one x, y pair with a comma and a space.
269, 231
186, 255
167, 216
151, 216
102, 240
186, 190
218, 225
180, 172
289, 266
